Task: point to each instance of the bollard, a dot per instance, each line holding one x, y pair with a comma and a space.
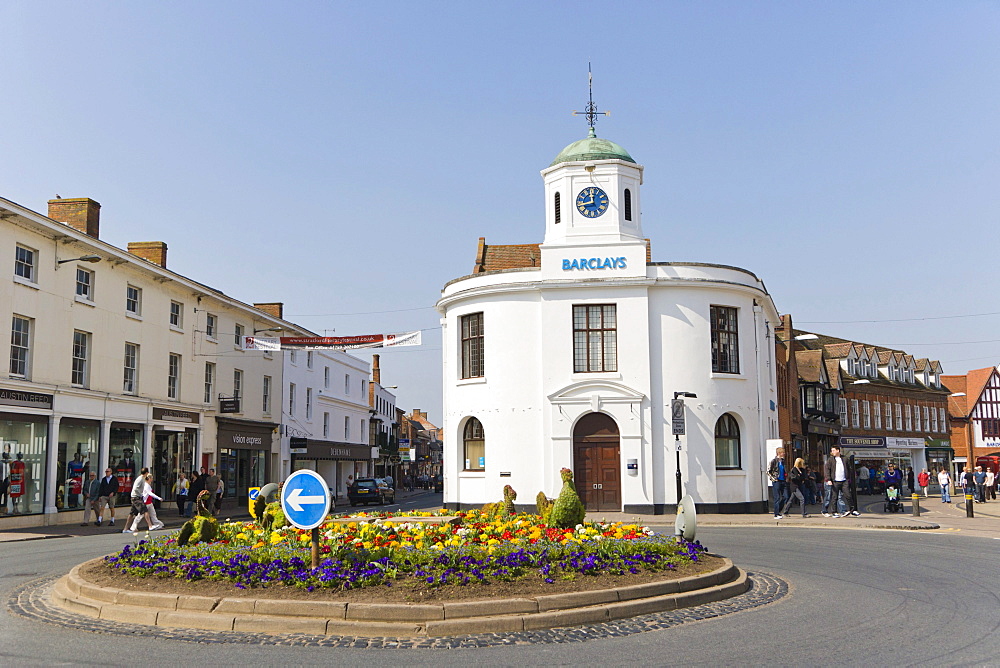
969, 512
916, 504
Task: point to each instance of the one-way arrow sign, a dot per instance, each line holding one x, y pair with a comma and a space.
305, 499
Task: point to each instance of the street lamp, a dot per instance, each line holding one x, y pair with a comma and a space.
806, 337
82, 258
677, 413
269, 329
863, 381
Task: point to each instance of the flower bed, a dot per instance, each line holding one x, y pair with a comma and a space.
474, 549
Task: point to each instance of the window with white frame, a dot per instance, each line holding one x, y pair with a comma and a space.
237, 384
293, 357
85, 284
927, 418
238, 336
347, 428
174, 376
899, 417
347, 384
918, 422
25, 263
474, 445
291, 399
326, 378
209, 383
855, 414
934, 420
472, 346
595, 338
176, 315
326, 425
909, 417
843, 411
878, 414
211, 326
133, 300
309, 403
81, 358
888, 416
309, 359
20, 346
866, 406
266, 404
131, 380
942, 421
727, 443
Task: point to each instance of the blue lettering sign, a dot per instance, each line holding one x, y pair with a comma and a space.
594, 263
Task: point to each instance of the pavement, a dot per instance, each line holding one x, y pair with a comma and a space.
934, 516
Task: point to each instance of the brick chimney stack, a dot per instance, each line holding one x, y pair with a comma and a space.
151, 251
80, 213
376, 371
273, 309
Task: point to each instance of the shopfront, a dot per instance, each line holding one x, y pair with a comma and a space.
78, 451
24, 453
175, 444
125, 443
244, 452
335, 462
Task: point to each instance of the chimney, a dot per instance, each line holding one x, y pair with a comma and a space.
151, 251
80, 213
376, 371
273, 309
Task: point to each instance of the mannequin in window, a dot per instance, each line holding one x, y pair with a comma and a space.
17, 483
74, 484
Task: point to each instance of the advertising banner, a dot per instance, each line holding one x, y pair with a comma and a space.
332, 342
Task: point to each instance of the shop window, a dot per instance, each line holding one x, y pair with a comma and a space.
727, 443
474, 445
125, 459
22, 465
77, 446
595, 338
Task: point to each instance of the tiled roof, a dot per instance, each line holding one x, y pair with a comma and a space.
956, 405
922, 363
809, 363
839, 349
834, 374
884, 356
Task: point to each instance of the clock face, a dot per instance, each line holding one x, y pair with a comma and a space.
592, 202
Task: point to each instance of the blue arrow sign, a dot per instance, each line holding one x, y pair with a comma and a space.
305, 499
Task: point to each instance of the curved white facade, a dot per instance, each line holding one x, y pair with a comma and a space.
529, 398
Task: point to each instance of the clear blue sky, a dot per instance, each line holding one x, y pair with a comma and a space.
344, 157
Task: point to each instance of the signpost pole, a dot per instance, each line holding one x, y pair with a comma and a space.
315, 548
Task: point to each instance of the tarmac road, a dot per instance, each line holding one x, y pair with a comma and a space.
856, 597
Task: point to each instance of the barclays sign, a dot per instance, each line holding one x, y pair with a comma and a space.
593, 263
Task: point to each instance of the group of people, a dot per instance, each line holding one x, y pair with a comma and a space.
831, 488
100, 493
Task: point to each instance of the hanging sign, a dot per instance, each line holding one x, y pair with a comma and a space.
332, 342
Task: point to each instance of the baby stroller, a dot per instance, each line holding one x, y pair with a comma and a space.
893, 500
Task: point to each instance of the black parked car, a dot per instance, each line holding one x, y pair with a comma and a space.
370, 490
438, 483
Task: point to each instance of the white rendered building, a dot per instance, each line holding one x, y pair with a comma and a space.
568, 354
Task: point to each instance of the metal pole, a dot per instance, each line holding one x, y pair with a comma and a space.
677, 447
315, 548
969, 512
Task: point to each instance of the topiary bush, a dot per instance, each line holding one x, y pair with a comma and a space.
543, 507
509, 495
203, 527
568, 509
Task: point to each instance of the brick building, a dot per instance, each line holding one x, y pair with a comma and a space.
974, 414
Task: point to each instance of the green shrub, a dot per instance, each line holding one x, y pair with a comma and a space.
543, 507
568, 510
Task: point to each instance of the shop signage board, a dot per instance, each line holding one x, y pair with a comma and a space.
298, 445
305, 499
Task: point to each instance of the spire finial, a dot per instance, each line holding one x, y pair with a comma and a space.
592, 113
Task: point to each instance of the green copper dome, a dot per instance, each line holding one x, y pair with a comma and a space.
592, 148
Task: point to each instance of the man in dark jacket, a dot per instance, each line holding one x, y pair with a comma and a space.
196, 487
837, 472
779, 481
212, 485
107, 495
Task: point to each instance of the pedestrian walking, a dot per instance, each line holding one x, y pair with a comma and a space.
979, 479
195, 486
836, 472
779, 481
893, 477
138, 508
865, 478
944, 480
91, 493
181, 492
968, 483
147, 498
909, 479
796, 482
991, 487
212, 485
923, 479
107, 496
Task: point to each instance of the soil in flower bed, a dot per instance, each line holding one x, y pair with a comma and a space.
402, 591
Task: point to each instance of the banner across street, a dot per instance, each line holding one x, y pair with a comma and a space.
331, 342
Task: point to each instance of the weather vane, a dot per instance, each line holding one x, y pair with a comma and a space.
592, 113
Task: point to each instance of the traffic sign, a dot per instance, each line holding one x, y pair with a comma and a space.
252, 495
305, 499
677, 417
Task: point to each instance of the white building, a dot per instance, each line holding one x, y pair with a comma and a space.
117, 361
326, 411
568, 354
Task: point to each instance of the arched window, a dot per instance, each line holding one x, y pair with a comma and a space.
474, 445
727, 443
556, 202
628, 204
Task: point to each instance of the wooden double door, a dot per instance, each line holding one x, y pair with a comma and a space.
597, 462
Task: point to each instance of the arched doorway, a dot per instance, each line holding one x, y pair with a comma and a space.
597, 462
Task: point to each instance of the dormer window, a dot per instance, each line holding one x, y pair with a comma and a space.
628, 204
557, 203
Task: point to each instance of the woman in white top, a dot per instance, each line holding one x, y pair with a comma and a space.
148, 495
944, 480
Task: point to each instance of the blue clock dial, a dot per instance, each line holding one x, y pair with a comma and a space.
592, 202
